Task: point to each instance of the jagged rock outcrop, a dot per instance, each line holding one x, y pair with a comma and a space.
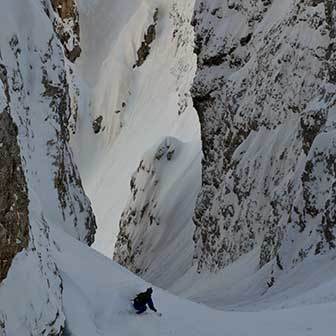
265, 95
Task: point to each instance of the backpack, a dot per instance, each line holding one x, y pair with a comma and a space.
141, 298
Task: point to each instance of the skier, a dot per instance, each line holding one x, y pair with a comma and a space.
143, 299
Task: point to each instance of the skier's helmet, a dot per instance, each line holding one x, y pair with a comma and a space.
149, 290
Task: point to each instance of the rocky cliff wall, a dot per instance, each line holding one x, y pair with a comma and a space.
265, 95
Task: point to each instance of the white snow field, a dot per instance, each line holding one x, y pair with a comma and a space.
97, 296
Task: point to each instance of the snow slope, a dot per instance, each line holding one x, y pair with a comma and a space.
242, 286
97, 292
98, 304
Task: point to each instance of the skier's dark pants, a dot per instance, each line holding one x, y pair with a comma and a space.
139, 308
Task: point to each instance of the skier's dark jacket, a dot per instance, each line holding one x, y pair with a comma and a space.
143, 299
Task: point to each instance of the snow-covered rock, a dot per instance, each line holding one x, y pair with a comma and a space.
265, 94
37, 165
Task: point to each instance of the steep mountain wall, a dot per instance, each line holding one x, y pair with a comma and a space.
265, 95
40, 183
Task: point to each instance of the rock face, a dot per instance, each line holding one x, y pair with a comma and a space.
97, 124
149, 37
14, 222
265, 95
